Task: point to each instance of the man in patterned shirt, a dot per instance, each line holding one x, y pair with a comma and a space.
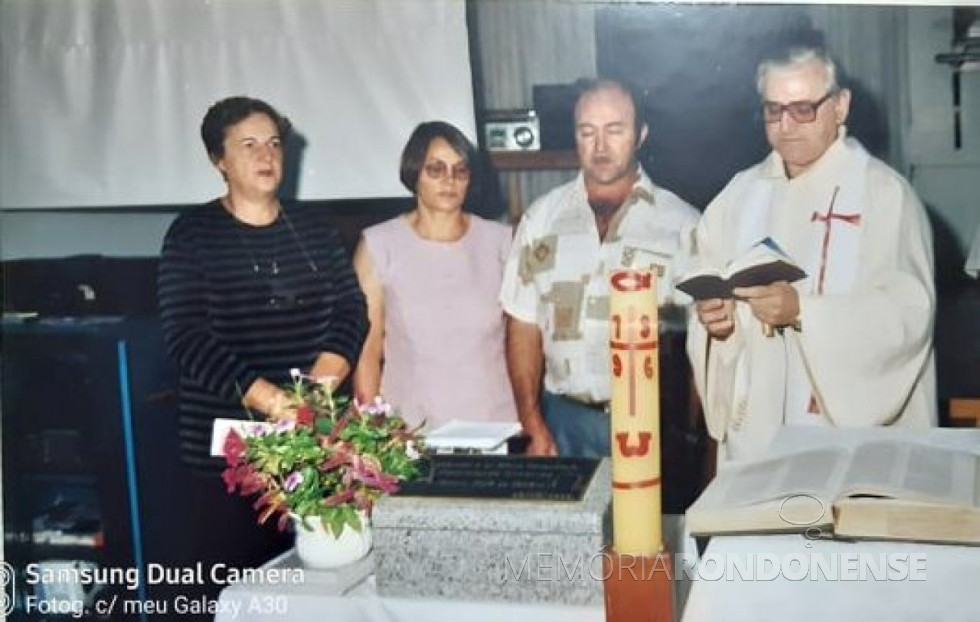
555, 290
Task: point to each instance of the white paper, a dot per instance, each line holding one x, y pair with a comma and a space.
477, 436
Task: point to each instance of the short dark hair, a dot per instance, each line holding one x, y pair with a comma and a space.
413, 155
229, 111
584, 86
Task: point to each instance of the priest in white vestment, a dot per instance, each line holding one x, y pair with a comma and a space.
850, 344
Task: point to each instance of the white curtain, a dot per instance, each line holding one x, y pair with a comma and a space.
101, 100
528, 42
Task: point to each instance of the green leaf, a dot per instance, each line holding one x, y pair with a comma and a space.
337, 524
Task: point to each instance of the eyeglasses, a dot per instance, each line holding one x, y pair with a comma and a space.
801, 112
441, 170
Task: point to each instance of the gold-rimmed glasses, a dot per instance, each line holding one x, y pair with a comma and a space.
441, 170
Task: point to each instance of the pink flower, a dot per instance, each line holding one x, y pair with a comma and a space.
368, 471
378, 406
293, 481
332, 453
284, 425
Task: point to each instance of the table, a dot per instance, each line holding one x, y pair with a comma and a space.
363, 604
267, 603
938, 582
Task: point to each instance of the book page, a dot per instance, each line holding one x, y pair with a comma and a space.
913, 471
763, 252
817, 472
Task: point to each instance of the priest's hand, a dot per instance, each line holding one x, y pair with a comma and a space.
717, 315
774, 305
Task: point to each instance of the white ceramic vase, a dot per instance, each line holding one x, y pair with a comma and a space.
318, 548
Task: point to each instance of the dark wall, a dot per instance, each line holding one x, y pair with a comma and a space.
83, 285
697, 66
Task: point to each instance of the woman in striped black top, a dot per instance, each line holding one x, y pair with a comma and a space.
249, 289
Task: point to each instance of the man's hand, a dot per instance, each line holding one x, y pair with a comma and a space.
542, 442
525, 363
717, 315
776, 305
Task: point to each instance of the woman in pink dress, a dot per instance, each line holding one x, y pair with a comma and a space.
432, 277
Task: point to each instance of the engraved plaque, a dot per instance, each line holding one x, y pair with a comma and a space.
503, 477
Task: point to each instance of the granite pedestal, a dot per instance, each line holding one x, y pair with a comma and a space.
492, 549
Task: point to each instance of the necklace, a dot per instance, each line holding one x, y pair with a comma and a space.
274, 263
239, 226
276, 227
299, 241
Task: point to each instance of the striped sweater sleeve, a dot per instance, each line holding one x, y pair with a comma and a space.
183, 304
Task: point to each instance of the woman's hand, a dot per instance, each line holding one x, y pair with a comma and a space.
269, 400
330, 367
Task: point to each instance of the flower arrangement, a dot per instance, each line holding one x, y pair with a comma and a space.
335, 458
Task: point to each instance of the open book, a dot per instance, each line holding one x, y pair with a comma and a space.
886, 489
763, 264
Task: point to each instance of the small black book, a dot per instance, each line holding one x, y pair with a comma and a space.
765, 263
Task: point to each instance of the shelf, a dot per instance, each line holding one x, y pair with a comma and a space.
534, 160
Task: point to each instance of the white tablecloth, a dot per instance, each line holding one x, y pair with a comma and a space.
364, 605
946, 588
950, 591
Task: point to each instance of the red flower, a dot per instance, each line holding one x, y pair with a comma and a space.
339, 498
335, 432
304, 415
337, 450
234, 448
245, 478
